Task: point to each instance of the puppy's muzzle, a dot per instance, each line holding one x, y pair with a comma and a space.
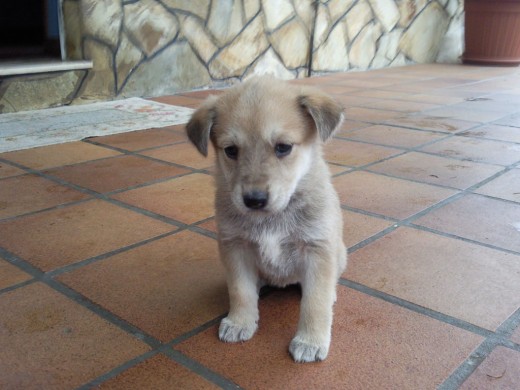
256, 200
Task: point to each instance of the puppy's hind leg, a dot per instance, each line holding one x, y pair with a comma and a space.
312, 339
242, 280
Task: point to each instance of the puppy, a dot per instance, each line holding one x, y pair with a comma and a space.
278, 215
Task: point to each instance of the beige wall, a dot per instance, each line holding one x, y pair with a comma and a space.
150, 48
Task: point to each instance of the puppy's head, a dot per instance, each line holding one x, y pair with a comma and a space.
266, 134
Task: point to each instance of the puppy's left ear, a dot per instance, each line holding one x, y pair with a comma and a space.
200, 124
326, 113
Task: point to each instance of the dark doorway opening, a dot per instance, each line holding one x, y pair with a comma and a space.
29, 29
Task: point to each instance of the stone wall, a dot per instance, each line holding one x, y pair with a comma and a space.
156, 47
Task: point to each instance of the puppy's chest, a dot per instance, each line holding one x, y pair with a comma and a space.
280, 258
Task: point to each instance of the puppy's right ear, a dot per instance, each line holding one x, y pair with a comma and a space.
200, 124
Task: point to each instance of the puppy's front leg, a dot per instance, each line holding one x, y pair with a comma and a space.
312, 339
242, 280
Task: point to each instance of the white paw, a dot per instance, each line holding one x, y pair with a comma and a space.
304, 351
231, 332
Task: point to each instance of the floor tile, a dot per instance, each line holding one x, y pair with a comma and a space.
427, 122
337, 90
368, 82
7, 170
505, 97
461, 93
337, 169
432, 99
169, 286
356, 154
358, 227
187, 199
382, 94
165, 288
144, 139
487, 104
428, 85
387, 196
50, 342
502, 83
157, 373
29, 193
496, 132
462, 113
179, 100
479, 150
369, 115
313, 80
466, 281
478, 218
45, 157
515, 337
374, 345
11, 275
210, 225
511, 121
500, 370
184, 154
506, 186
393, 136
354, 100
116, 173
349, 125
204, 93
55, 238
436, 170
396, 105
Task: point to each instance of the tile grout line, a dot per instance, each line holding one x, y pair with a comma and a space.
405, 221
404, 151
200, 369
94, 259
492, 339
409, 220
92, 141
169, 350
468, 366
125, 326
400, 302
78, 298
150, 158
52, 208
215, 378
99, 196
460, 238
90, 260
498, 338
94, 383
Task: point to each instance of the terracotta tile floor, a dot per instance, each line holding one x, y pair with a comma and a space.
109, 272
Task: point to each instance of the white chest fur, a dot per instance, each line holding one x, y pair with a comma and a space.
278, 259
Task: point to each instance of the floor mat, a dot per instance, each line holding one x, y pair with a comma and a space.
28, 129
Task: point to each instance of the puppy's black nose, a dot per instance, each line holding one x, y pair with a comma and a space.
256, 199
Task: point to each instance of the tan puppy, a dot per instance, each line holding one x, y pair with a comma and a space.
278, 216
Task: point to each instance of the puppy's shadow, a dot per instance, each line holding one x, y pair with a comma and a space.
265, 291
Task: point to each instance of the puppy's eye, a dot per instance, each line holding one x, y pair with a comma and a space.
282, 150
231, 152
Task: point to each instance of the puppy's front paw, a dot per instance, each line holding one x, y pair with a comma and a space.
304, 351
232, 332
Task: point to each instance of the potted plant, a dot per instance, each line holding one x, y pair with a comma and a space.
492, 32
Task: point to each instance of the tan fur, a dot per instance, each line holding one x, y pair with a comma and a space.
297, 236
